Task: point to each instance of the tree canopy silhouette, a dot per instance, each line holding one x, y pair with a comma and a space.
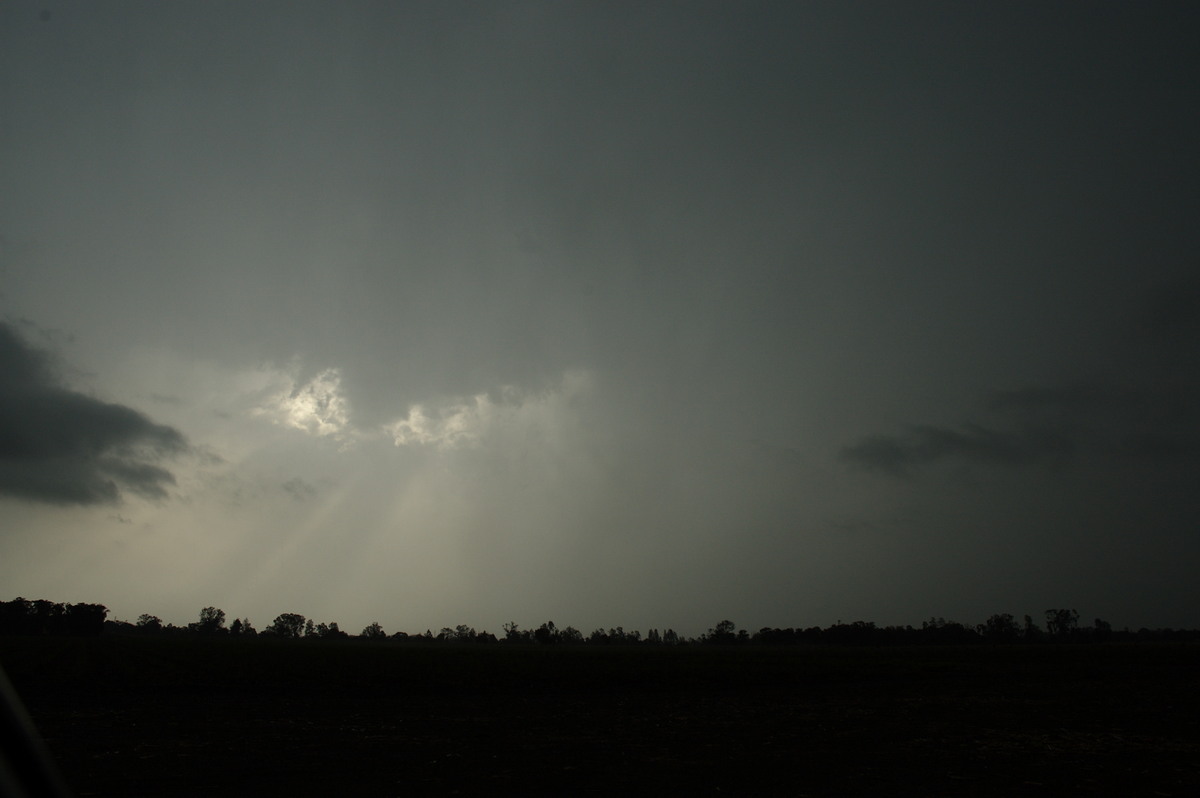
288, 624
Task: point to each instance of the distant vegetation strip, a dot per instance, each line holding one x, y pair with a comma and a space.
23, 617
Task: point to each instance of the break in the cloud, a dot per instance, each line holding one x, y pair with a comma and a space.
464, 422
59, 446
317, 406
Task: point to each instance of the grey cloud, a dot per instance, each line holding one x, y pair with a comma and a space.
1158, 446
1172, 312
1143, 409
1109, 403
59, 446
1074, 399
1053, 423
923, 445
298, 489
165, 399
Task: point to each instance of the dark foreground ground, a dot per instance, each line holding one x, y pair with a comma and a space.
186, 717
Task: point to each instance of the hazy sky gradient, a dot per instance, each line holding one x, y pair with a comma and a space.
640, 314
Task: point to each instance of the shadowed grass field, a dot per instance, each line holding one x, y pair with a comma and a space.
185, 716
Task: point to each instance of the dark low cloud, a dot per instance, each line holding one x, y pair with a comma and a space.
61, 447
923, 445
1034, 425
1145, 409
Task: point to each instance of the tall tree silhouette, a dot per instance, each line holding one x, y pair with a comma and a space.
288, 624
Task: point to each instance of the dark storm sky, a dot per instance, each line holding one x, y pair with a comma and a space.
647, 314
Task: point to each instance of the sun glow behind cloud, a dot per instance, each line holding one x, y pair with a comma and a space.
466, 422
450, 512
317, 407
424, 507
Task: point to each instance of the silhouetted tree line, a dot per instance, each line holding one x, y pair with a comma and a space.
24, 617
1061, 625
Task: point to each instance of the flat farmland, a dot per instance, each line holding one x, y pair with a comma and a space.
161, 716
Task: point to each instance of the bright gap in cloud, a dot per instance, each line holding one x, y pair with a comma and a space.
466, 422
317, 407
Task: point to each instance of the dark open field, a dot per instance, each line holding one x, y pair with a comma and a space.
161, 717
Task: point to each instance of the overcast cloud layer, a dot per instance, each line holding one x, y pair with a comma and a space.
612, 314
